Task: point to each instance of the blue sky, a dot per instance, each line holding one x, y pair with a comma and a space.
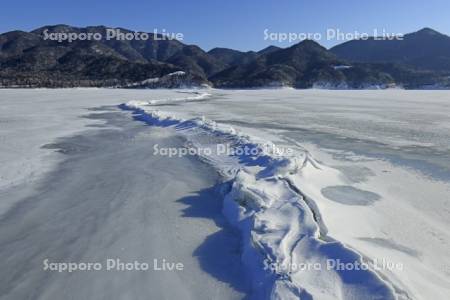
237, 24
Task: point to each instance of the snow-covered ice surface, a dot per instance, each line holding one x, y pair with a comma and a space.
30, 119
81, 185
367, 181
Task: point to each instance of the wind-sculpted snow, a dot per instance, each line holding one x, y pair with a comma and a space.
193, 96
285, 247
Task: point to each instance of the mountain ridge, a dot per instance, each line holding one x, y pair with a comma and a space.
425, 49
27, 59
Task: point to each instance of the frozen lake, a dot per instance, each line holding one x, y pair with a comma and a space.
80, 185
383, 187
380, 182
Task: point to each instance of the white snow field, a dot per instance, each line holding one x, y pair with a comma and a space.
80, 184
326, 194
368, 179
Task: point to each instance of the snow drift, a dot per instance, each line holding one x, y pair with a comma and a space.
285, 247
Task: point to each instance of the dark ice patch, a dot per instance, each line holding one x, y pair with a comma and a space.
349, 195
356, 173
66, 147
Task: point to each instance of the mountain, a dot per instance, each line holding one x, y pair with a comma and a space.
155, 48
409, 77
268, 50
28, 59
304, 65
425, 49
31, 59
232, 57
194, 59
15, 42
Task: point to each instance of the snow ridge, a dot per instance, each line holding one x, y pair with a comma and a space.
194, 96
285, 247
